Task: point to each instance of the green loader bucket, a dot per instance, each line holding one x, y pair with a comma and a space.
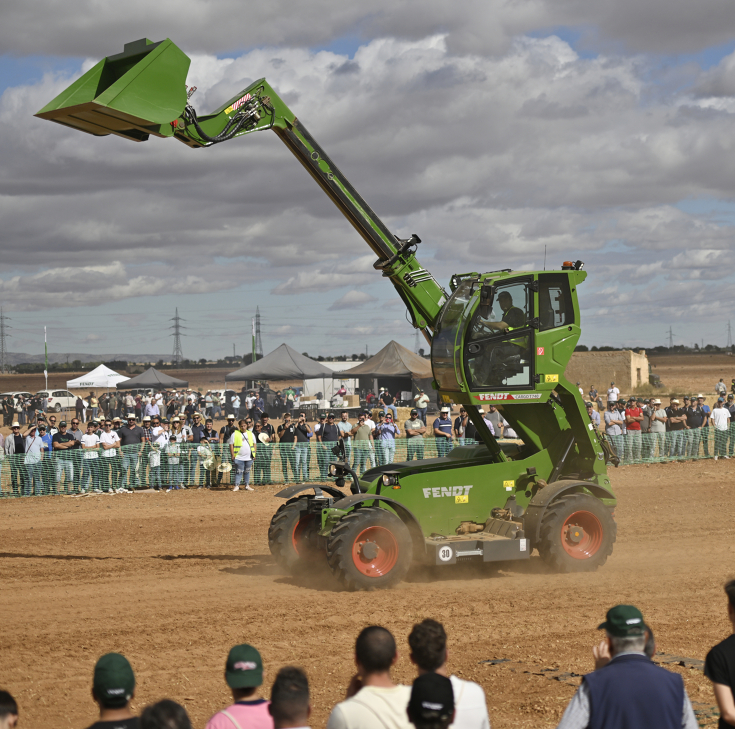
133, 94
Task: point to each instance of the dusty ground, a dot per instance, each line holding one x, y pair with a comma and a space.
173, 580
689, 374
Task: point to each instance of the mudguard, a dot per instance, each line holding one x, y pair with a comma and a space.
287, 493
539, 503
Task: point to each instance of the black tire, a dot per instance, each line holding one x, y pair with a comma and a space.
568, 549
292, 535
369, 549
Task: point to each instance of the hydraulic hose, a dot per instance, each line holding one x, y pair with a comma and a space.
237, 122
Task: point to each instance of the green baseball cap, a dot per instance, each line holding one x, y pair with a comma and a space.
623, 621
114, 681
244, 667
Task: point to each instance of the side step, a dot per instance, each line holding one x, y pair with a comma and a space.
490, 547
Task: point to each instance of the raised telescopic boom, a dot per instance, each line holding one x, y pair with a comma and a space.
142, 91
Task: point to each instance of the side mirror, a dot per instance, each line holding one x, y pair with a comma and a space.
487, 296
339, 450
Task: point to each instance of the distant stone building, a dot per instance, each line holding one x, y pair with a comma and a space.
625, 368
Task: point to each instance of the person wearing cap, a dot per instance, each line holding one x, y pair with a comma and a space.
290, 705
242, 453
612, 393
629, 690
415, 429
730, 405
109, 464
721, 422
33, 461
196, 431
695, 421
327, 437
442, 428
265, 450
633, 418
302, 451
225, 433
387, 432
721, 388
63, 445
421, 401
656, 430
131, 440
719, 666
8, 711
113, 688
373, 701
676, 425
174, 456
614, 428
90, 458
210, 438
428, 643
362, 434
345, 433
593, 415
243, 675
389, 402
431, 705
157, 458
15, 445
460, 425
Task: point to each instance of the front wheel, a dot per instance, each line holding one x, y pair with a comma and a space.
370, 548
292, 535
577, 534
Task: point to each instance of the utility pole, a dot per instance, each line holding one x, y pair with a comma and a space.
258, 340
3, 334
233, 350
729, 335
671, 338
178, 356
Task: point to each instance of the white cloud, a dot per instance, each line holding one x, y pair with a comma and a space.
352, 300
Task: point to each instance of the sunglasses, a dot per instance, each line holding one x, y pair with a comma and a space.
75, 422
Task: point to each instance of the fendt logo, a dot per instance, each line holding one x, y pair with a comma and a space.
444, 491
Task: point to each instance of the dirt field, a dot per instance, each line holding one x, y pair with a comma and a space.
173, 580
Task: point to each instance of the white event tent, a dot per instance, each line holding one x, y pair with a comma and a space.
100, 377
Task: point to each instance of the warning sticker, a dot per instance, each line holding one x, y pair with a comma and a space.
463, 499
237, 104
509, 485
539, 351
551, 378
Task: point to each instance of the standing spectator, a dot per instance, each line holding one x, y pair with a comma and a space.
695, 420
47, 475
422, 401
460, 425
265, 450
580, 388
290, 397
721, 421
719, 666
242, 452
8, 711
373, 700
258, 407
210, 438
108, 468
138, 409
15, 446
614, 428
166, 714
286, 446
131, 438
77, 452
7, 411
196, 432
388, 402
443, 432
705, 426
216, 406
369, 421
63, 444
189, 411
676, 425
630, 690
328, 436
152, 409
659, 418
79, 407
431, 705
633, 418
225, 433
730, 405
176, 455
113, 688
33, 461
90, 461
345, 432
250, 403
428, 643
290, 706
363, 436
721, 388
494, 420
415, 429
387, 433
157, 458
243, 675
612, 393
208, 403
94, 404
594, 416
593, 394
302, 450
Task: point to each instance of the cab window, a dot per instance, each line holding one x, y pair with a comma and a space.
554, 302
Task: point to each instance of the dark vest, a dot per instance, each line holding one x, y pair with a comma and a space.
631, 692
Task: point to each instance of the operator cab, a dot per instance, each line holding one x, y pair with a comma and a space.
490, 329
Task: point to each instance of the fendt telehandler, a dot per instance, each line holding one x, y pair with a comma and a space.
503, 337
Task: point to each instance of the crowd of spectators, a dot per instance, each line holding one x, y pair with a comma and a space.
625, 690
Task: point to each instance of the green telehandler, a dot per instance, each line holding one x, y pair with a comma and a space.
502, 337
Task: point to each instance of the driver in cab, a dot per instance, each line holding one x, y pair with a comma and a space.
513, 317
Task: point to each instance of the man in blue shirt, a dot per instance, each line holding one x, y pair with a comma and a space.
443, 432
387, 432
705, 426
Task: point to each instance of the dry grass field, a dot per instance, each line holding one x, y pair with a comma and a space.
173, 580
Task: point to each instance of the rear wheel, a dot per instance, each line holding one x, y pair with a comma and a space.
370, 548
292, 535
577, 534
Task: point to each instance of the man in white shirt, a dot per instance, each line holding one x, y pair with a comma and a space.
612, 393
90, 444
108, 465
428, 643
721, 420
374, 701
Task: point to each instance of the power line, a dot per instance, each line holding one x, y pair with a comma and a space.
3, 334
178, 356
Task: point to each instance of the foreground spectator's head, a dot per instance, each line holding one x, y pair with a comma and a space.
8, 711
431, 705
626, 630
166, 714
375, 651
290, 706
428, 643
730, 592
243, 670
113, 685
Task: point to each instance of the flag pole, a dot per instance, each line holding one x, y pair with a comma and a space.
45, 349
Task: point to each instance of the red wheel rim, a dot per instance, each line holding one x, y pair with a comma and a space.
375, 551
300, 536
581, 535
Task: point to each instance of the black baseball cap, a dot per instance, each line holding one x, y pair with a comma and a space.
114, 680
432, 699
623, 621
244, 667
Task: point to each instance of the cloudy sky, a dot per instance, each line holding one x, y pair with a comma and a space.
494, 130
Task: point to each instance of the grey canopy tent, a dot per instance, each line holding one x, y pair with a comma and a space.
394, 367
151, 379
283, 363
